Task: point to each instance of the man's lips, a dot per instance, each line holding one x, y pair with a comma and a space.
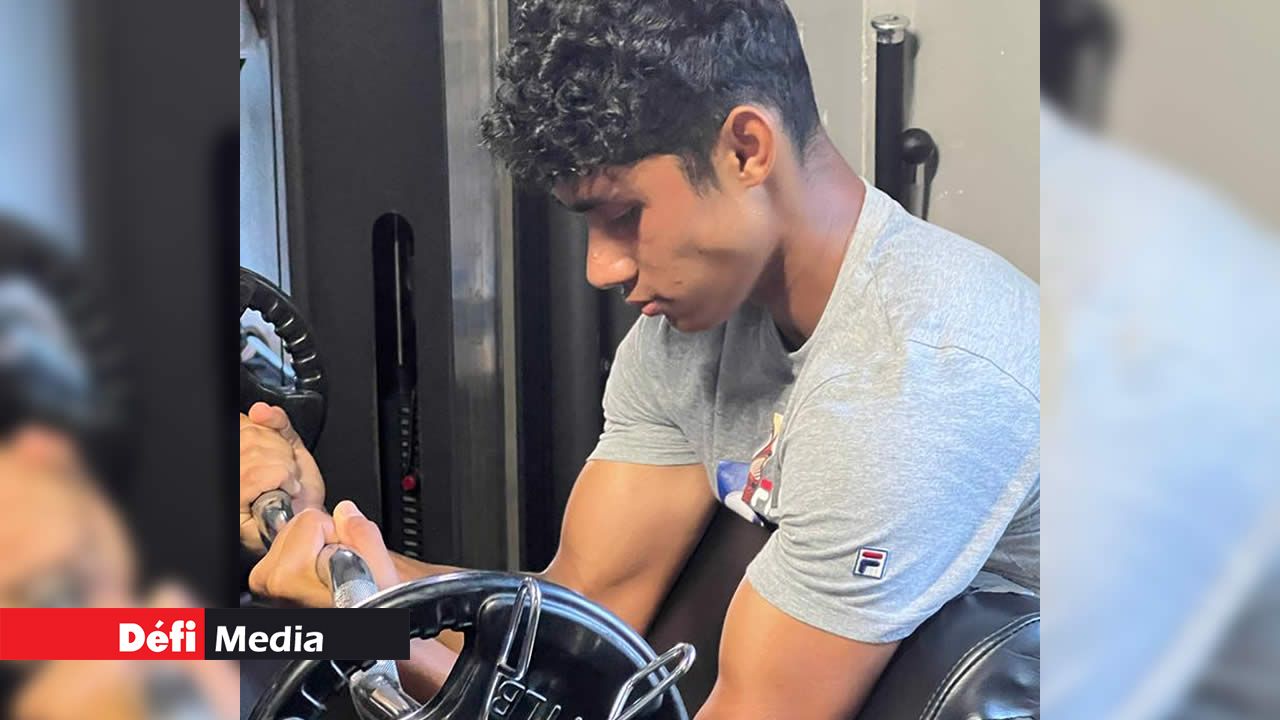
647, 307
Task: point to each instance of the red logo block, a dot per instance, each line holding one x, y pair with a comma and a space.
101, 634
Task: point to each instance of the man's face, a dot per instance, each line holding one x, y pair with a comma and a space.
65, 543
693, 256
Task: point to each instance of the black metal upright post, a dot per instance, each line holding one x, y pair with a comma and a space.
891, 36
363, 172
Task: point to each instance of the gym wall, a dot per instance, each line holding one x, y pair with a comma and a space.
1210, 107
974, 89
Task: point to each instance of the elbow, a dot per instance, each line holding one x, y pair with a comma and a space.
722, 705
626, 598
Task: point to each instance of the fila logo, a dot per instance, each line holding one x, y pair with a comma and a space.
870, 562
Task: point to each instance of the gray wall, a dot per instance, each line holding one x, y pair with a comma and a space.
1208, 77
260, 246
39, 153
976, 91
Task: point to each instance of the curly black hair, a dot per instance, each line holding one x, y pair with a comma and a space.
589, 84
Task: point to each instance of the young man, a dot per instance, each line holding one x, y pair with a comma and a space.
810, 354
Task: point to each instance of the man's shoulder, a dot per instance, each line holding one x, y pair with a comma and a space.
931, 281
943, 293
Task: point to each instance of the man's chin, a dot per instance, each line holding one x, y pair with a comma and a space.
691, 324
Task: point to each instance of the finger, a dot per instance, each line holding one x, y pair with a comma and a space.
258, 442
264, 578
304, 530
276, 419
363, 535
261, 478
260, 437
261, 571
296, 568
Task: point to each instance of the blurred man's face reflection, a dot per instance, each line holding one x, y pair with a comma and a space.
64, 544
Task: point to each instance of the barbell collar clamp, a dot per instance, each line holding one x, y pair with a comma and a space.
621, 710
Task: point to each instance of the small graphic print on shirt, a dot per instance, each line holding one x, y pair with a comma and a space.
870, 562
743, 487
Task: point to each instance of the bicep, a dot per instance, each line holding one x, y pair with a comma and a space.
628, 530
774, 666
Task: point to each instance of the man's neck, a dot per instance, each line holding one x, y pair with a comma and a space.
820, 214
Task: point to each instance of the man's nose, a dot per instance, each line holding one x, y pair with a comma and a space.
609, 262
44, 444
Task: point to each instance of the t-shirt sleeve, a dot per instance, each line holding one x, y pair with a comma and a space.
890, 502
639, 426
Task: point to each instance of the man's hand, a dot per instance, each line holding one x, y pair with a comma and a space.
272, 457
291, 570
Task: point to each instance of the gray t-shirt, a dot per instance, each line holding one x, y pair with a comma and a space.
897, 452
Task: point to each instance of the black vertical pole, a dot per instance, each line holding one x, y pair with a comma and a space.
891, 35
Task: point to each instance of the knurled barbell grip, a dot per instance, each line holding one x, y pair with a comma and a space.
341, 568
351, 582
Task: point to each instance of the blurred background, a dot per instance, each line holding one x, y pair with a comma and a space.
117, 138
1161, 281
115, 192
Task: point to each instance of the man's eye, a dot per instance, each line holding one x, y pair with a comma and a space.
628, 218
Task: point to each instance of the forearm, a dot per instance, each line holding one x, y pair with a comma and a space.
427, 668
410, 569
632, 595
431, 661
558, 573
620, 547
630, 598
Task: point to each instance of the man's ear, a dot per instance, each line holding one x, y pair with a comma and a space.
748, 144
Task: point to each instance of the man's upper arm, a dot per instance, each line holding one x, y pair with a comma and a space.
641, 503
774, 666
890, 504
628, 530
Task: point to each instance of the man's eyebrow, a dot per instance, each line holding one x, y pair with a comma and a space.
584, 205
